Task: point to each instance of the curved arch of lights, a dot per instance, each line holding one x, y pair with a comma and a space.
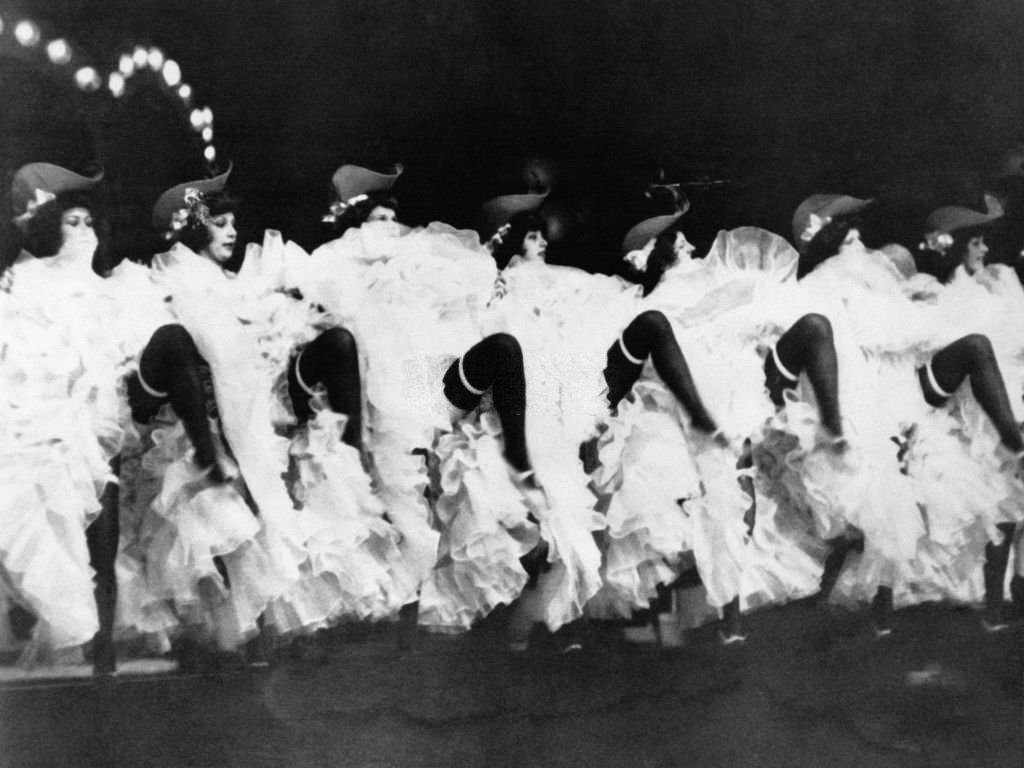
129, 63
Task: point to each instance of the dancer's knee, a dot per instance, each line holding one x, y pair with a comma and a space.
652, 323
815, 328
979, 347
336, 342
505, 347
644, 333
172, 340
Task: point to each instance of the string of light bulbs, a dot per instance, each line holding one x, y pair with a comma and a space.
130, 62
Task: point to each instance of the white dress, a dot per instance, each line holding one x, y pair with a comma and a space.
928, 484
67, 340
302, 560
674, 494
415, 303
565, 320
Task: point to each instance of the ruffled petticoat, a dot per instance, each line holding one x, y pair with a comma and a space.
355, 568
407, 353
68, 339
925, 486
177, 533
418, 308
486, 530
483, 524
992, 302
674, 496
301, 564
565, 321
647, 474
463, 550
962, 484
414, 310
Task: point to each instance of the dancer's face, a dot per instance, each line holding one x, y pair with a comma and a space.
852, 242
382, 213
77, 231
974, 254
535, 247
682, 247
380, 232
222, 237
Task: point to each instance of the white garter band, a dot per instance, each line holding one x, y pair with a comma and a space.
150, 390
781, 368
625, 352
298, 376
933, 383
465, 382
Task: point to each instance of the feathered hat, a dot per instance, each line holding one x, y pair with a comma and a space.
36, 184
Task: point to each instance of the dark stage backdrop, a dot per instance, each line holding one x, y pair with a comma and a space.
912, 100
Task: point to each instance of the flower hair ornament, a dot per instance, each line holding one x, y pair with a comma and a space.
638, 258
196, 211
41, 198
339, 207
814, 225
499, 237
937, 241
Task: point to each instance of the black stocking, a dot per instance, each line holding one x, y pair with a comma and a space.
102, 538
331, 359
650, 335
808, 347
997, 556
973, 357
171, 364
495, 363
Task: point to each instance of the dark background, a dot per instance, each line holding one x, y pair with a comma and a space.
913, 101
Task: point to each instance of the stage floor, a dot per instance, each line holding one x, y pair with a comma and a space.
809, 688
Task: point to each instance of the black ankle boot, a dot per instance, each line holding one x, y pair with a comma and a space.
22, 621
841, 546
994, 572
731, 630
881, 612
1017, 595
104, 655
408, 621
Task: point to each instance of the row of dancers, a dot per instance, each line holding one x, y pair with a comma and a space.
425, 424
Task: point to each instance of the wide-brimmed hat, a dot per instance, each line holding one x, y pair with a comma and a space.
817, 210
641, 233
950, 218
173, 200
498, 210
351, 181
36, 184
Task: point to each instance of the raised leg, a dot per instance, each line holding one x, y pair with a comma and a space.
972, 357
331, 360
807, 347
649, 335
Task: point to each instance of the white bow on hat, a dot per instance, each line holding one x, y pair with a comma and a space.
42, 197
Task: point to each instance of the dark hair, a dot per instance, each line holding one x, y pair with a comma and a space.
512, 239
826, 243
42, 236
960, 240
663, 255
356, 214
195, 235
